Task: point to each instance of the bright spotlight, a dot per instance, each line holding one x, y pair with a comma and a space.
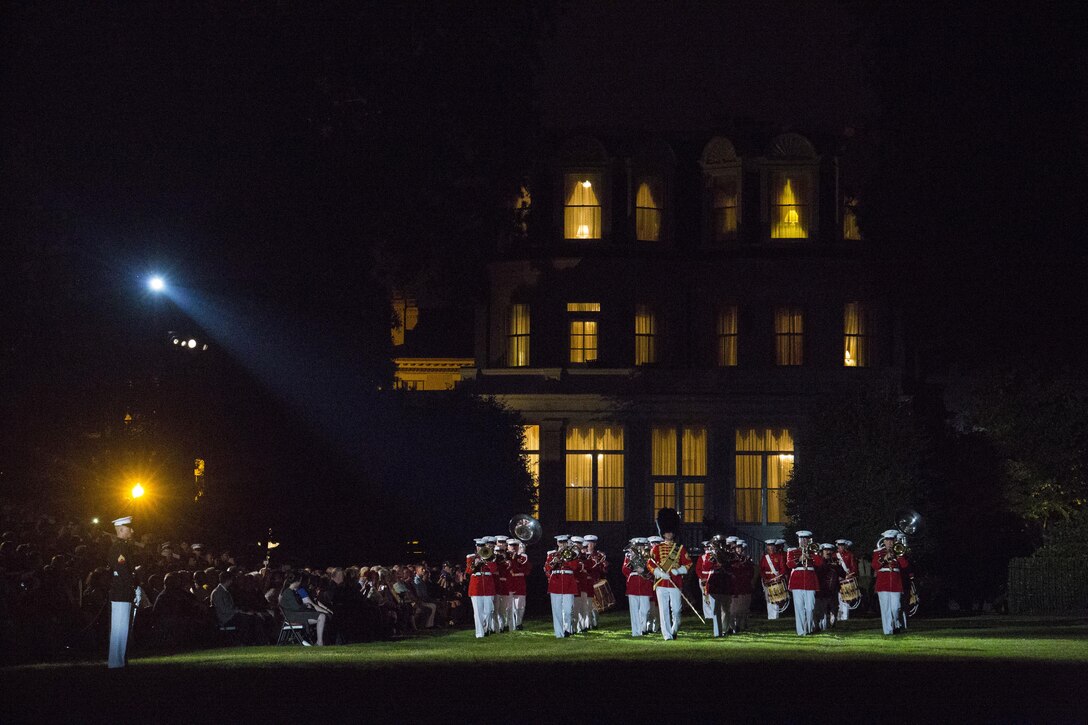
95, 521
191, 344
156, 283
137, 491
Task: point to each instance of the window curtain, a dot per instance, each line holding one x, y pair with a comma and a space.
610, 487
789, 331
645, 335
693, 502
790, 208
727, 336
582, 212
855, 335
694, 452
664, 495
579, 487
583, 341
517, 353
648, 210
749, 485
725, 197
850, 229
663, 452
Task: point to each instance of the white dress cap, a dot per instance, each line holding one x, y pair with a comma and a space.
123, 521
890, 534
563, 537
654, 540
779, 541
481, 542
731, 539
577, 539
840, 541
642, 540
771, 541
827, 546
590, 537
804, 534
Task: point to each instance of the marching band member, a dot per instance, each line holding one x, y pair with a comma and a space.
889, 570
502, 585
596, 567
518, 569
827, 596
743, 573
482, 573
562, 586
653, 619
772, 568
122, 591
708, 571
849, 566
669, 562
639, 587
581, 599
802, 562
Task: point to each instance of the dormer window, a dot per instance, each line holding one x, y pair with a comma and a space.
850, 229
725, 200
582, 209
649, 204
722, 189
790, 206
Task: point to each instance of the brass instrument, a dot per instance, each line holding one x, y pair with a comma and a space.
526, 528
638, 554
807, 552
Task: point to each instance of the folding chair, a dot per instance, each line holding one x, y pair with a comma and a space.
291, 632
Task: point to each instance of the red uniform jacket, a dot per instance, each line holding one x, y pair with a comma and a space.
519, 569
743, 572
847, 563
502, 578
802, 577
662, 551
769, 572
889, 575
481, 576
561, 576
637, 585
581, 575
596, 567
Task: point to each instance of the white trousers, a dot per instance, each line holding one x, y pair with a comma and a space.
708, 606
583, 607
592, 612
804, 606
502, 611
741, 606
821, 613
640, 613
120, 622
517, 610
562, 609
844, 610
653, 617
483, 614
668, 604
891, 611
721, 614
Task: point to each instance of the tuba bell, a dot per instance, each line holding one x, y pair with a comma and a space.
525, 528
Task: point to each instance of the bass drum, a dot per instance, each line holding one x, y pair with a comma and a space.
603, 599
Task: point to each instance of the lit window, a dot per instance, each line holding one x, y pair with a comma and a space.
790, 206
686, 446
648, 207
725, 199
765, 460
530, 451
517, 341
727, 335
582, 210
788, 336
850, 228
594, 473
645, 335
583, 332
406, 313
407, 384
856, 331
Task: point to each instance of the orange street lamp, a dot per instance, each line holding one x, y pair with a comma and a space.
137, 491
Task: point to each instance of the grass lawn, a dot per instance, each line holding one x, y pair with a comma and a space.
976, 668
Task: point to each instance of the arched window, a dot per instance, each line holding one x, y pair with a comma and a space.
790, 188
722, 174
582, 209
790, 206
649, 203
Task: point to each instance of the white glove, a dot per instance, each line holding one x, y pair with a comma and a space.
674, 572
660, 573
681, 570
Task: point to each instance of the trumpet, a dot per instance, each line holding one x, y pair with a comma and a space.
808, 551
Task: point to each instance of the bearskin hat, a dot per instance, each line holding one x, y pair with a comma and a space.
668, 521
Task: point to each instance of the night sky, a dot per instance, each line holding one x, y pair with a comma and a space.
273, 162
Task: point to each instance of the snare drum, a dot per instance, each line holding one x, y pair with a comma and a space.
849, 593
777, 593
603, 599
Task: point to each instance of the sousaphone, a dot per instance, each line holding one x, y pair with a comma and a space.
526, 529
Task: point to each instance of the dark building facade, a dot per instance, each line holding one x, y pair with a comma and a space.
665, 326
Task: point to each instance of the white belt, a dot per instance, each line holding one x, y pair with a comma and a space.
562, 571
803, 568
890, 570
482, 573
517, 575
